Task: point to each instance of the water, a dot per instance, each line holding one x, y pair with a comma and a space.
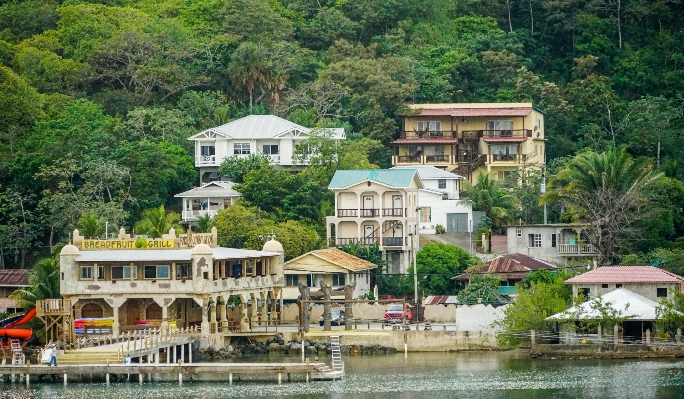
432, 375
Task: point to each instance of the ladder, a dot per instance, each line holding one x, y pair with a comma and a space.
337, 363
18, 357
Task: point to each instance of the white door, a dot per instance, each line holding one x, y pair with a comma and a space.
397, 231
368, 234
368, 205
396, 204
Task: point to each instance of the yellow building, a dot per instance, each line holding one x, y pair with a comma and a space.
495, 138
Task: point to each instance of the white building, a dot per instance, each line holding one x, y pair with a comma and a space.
439, 201
207, 199
254, 134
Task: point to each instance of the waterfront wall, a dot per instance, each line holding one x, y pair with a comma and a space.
606, 351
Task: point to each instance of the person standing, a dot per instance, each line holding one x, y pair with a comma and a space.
53, 355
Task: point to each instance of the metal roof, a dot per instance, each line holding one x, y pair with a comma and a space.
263, 127
396, 178
640, 308
169, 255
626, 274
215, 189
14, 278
431, 172
465, 112
512, 266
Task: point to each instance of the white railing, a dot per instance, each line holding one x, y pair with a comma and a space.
139, 339
194, 214
577, 249
206, 160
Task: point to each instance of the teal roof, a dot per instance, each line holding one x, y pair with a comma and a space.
399, 178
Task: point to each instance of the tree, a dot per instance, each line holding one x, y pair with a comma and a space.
488, 195
236, 167
157, 221
608, 191
43, 283
669, 316
235, 225
438, 263
296, 238
90, 226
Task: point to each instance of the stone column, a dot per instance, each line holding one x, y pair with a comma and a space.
165, 317
616, 335
205, 318
212, 314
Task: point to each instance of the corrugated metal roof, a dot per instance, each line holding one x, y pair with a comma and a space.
263, 127
14, 277
507, 265
398, 178
465, 112
431, 172
216, 189
626, 274
170, 255
640, 307
337, 257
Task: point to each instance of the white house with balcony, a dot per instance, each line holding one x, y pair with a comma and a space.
550, 242
253, 134
439, 201
207, 199
377, 207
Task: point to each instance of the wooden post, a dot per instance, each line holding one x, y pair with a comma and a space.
280, 378
616, 335
648, 337
230, 378
679, 336
140, 377
567, 337
65, 379
532, 338
190, 353
182, 348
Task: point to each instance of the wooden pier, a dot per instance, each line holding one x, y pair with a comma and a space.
146, 371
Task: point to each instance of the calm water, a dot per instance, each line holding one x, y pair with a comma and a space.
434, 376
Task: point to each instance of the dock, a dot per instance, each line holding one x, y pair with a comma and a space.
223, 371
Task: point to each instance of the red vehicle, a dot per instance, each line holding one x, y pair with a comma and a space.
395, 314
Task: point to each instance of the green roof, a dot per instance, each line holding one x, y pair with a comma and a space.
399, 178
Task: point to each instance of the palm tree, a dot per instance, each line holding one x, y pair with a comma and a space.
90, 226
247, 67
157, 221
490, 196
607, 191
203, 224
44, 284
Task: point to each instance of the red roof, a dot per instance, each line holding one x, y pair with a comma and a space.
507, 139
626, 274
507, 265
476, 112
426, 141
14, 277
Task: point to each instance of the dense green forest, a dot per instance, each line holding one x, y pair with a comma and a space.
97, 98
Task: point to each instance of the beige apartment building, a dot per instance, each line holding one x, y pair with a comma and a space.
495, 138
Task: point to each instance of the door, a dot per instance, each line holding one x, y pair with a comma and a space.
368, 206
132, 313
457, 222
397, 205
91, 311
368, 234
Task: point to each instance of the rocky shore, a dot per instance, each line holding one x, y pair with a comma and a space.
277, 345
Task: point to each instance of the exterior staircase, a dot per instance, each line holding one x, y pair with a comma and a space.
91, 356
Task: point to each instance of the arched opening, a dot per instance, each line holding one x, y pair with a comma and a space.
92, 311
153, 312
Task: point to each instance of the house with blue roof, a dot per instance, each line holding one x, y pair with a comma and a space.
378, 206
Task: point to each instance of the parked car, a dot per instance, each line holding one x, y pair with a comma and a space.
395, 314
336, 318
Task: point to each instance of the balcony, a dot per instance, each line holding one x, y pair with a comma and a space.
436, 158
421, 159
206, 160
399, 212
429, 134
577, 249
393, 241
347, 213
370, 213
504, 157
196, 214
410, 159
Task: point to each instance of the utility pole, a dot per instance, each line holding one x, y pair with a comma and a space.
543, 190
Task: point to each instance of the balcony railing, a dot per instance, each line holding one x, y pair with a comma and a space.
370, 213
347, 213
393, 241
508, 133
428, 134
393, 212
410, 158
577, 249
207, 160
437, 158
195, 214
356, 240
504, 157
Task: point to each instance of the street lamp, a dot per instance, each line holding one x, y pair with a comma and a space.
107, 230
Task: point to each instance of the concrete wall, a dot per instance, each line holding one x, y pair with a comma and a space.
439, 209
478, 317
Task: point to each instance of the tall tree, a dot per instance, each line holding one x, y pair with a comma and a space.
157, 221
490, 196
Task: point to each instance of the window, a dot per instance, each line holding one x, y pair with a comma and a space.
435, 126
535, 240
86, 272
661, 292
207, 150
505, 174
183, 270
499, 125
414, 150
604, 285
338, 279
154, 272
441, 183
312, 280
422, 126
618, 285
100, 273
554, 241
121, 272
584, 292
425, 214
271, 149
518, 232
291, 280
241, 148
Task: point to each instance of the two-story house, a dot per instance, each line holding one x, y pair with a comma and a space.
495, 138
551, 242
253, 134
439, 201
187, 279
377, 207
